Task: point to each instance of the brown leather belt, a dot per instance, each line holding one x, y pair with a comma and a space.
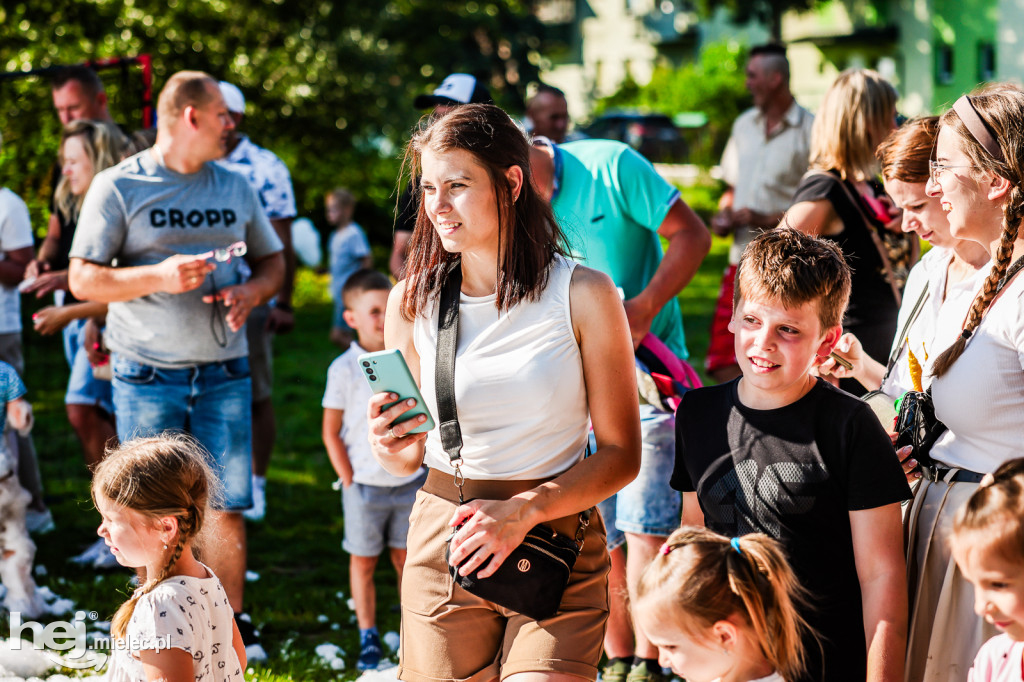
443, 485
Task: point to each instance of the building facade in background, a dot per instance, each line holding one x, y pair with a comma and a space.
932, 50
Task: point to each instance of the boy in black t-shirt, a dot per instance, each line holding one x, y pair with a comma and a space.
781, 452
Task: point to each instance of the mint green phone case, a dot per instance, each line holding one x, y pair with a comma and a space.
386, 371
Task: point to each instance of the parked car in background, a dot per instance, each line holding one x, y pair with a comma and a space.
653, 135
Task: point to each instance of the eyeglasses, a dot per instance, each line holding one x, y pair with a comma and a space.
224, 255
937, 169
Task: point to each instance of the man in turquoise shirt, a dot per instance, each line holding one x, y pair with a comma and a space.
614, 209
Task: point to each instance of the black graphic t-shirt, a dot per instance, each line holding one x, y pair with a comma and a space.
794, 473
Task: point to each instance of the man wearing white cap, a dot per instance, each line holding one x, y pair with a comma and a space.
456, 89
268, 175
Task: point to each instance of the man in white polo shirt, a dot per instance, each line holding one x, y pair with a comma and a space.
763, 162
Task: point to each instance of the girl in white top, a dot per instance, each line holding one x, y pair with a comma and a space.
978, 382
722, 610
542, 344
178, 626
988, 544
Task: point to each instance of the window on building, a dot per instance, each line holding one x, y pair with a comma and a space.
944, 64
986, 62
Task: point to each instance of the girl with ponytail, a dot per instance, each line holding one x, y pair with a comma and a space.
978, 380
721, 609
153, 494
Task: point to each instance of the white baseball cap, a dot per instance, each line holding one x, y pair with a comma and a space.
233, 97
458, 88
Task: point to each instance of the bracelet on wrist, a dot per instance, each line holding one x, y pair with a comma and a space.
281, 305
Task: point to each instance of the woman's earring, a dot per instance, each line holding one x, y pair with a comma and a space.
165, 546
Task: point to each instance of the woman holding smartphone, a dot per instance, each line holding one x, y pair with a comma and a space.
543, 345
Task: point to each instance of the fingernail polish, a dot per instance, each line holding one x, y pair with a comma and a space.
410, 402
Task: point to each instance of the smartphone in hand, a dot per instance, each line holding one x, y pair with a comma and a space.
387, 372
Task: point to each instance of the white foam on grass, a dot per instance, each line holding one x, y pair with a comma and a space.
22, 662
387, 672
330, 655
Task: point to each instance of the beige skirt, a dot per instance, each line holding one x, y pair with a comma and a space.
945, 632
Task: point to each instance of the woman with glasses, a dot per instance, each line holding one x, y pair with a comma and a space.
839, 198
978, 380
943, 282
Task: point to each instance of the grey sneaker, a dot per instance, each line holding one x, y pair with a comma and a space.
39, 522
90, 555
105, 559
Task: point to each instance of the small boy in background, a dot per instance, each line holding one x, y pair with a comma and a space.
781, 452
348, 251
375, 504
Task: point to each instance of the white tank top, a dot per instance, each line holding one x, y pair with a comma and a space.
519, 387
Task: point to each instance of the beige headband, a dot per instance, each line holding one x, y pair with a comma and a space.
977, 127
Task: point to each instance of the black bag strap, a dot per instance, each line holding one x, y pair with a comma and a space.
444, 370
444, 383
903, 332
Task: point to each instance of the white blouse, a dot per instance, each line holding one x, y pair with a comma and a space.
981, 397
942, 308
182, 612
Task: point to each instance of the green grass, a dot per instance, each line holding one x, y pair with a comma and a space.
296, 550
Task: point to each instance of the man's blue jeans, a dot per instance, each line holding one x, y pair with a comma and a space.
212, 402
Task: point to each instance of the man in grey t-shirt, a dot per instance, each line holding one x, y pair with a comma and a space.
177, 310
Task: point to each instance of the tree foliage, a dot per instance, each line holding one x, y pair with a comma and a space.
330, 83
713, 85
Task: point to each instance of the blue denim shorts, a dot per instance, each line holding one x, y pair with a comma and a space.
212, 402
83, 387
647, 505
376, 516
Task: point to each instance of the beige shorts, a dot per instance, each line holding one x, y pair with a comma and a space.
449, 634
261, 353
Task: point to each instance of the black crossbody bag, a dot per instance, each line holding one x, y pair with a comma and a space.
533, 578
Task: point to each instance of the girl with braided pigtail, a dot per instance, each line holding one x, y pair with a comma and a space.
978, 381
178, 626
723, 609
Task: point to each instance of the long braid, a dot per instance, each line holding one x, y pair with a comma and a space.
1004, 253
119, 624
1001, 109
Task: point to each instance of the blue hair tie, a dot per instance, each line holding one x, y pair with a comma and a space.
735, 542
